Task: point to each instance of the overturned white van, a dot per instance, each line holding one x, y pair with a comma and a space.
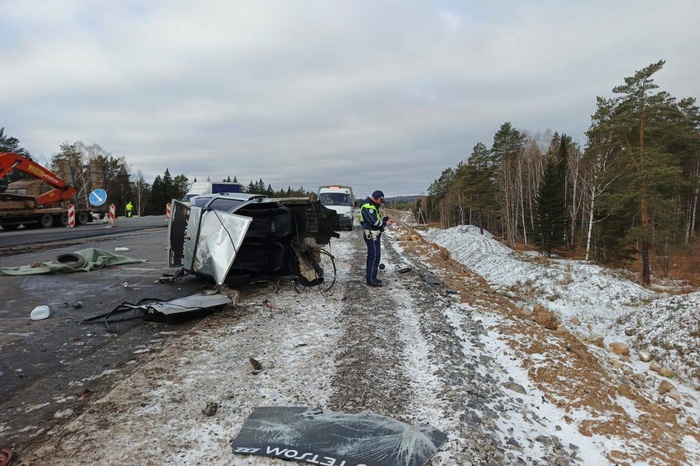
237, 238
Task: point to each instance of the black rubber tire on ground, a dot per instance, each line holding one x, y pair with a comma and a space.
74, 261
82, 218
46, 221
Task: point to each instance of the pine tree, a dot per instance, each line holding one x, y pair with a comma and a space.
641, 122
180, 186
506, 152
10, 144
480, 188
156, 204
167, 183
551, 225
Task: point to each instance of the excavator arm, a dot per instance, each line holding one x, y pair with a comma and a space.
61, 190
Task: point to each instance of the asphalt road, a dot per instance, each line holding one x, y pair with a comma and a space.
50, 366
21, 239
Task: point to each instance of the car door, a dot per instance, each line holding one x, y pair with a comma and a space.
204, 241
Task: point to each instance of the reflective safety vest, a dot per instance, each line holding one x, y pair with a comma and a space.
369, 205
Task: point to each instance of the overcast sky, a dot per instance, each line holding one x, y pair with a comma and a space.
371, 93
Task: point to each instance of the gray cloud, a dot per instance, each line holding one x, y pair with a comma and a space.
375, 94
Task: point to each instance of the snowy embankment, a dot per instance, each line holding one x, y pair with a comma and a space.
600, 301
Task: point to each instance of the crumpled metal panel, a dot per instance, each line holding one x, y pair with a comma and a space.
190, 303
212, 242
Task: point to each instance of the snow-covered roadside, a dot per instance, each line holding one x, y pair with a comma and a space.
605, 302
537, 420
571, 288
521, 415
592, 300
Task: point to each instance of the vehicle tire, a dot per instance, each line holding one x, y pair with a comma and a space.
62, 219
46, 221
82, 218
72, 260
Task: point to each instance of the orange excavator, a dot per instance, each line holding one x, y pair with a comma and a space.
44, 210
61, 191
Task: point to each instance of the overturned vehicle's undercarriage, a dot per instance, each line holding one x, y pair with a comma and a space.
236, 238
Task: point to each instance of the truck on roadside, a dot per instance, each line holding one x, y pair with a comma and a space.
25, 203
211, 187
340, 199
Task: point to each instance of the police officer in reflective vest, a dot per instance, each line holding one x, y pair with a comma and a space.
373, 224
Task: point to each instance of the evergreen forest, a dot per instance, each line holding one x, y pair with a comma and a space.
631, 194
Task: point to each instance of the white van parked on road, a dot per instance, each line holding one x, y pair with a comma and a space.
339, 198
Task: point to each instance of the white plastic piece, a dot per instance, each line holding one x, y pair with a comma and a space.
120, 249
40, 312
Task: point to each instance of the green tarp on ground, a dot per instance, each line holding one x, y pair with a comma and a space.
92, 259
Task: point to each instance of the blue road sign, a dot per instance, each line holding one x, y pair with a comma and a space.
98, 197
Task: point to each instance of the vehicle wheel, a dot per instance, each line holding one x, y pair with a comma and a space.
46, 221
62, 219
74, 261
82, 218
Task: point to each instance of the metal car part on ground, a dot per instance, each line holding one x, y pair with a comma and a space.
172, 311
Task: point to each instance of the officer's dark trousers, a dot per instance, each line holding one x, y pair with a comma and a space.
374, 256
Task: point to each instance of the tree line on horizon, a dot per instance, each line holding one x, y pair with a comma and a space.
632, 190
119, 181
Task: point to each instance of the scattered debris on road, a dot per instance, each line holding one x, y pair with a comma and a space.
172, 311
326, 437
84, 260
40, 312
